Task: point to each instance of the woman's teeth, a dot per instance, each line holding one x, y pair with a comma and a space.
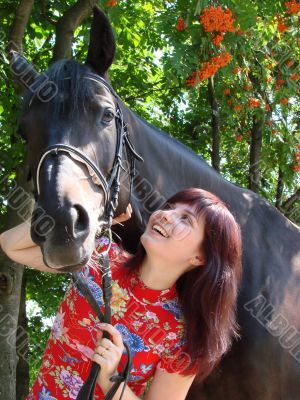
160, 230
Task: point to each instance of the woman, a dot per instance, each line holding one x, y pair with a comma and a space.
174, 303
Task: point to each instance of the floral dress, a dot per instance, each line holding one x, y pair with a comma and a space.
150, 321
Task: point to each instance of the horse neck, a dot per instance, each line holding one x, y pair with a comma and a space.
170, 166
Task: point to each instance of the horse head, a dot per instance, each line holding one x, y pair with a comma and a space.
72, 106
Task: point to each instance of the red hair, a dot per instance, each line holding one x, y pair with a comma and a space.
208, 294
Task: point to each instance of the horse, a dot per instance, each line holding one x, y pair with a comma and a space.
265, 363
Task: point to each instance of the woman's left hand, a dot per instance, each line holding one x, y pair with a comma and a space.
108, 354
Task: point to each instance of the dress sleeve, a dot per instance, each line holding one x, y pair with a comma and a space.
178, 361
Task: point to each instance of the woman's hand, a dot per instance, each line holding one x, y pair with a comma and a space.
108, 354
123, 217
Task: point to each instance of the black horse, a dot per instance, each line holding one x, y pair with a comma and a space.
265, 363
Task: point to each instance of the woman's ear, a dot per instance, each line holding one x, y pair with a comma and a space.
197, 261
102, 46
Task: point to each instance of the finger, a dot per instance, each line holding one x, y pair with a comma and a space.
98, 359
99, 335
115, 334
100, 350
108, 344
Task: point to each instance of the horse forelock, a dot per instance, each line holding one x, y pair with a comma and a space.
69, 87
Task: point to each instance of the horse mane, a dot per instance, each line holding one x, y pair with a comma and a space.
67, 76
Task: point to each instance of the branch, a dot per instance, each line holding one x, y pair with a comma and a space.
215, 124
19, 25
66, 25
141, 95
44, 13
286, 206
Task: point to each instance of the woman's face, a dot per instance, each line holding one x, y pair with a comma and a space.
176, 234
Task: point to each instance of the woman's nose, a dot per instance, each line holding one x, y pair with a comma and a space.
167, 216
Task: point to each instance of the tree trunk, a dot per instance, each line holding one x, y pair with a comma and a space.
10, 288
19, 25
279, 190
215, 125
19, 204
255, 155
11, 273
22, 381
66, 25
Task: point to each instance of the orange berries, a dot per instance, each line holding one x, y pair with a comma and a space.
226, 92
238, 107
238, 138
289, 63
279, 83
267, 107
236, 70
284, 101
296, 167
292, 7
217, 39
180, 24
253, 102
269, 79
281, 25
111, 3
209, 69
192, 79
217, 19
294, 77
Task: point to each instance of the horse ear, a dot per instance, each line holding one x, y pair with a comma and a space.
102, 45
23, 71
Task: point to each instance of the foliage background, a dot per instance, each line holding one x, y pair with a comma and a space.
153, 61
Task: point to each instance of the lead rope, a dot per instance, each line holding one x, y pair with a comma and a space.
88, 389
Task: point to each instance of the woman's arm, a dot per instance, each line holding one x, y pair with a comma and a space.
18, 246
169, 386
164, 386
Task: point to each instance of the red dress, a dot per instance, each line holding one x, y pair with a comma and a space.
150, 321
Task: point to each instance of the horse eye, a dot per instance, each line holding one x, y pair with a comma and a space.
108, 116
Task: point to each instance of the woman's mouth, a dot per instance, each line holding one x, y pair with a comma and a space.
160, 230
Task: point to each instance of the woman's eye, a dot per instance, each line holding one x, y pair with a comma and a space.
108, 116
187, 218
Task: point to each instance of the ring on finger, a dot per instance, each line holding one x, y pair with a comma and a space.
103, 352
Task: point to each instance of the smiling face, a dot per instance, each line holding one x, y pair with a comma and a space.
175, 234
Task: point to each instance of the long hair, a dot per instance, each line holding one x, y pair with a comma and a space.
208, 294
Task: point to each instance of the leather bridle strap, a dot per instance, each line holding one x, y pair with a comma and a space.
66, 148
88, 389
111, 189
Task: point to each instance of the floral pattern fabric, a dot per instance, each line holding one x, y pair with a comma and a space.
150, 322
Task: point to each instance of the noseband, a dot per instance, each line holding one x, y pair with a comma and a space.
111, 190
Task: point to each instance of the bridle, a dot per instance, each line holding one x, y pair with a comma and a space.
111, 190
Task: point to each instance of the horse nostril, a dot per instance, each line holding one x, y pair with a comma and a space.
81, 220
